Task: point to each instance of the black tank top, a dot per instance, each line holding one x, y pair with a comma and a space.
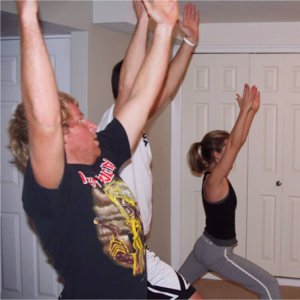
220, 218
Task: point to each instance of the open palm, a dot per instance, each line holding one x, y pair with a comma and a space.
27, 5
190, 23
139, 8
162, 11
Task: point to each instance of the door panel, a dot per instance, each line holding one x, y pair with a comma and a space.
290, 254
273, 240
265, 168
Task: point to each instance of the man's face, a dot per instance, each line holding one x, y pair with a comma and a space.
81, 142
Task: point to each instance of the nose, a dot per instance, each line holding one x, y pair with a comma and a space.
92, 127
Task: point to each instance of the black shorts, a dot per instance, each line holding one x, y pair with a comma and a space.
159, 292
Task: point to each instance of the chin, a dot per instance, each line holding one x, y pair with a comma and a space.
98, 153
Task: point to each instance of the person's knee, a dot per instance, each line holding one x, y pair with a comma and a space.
272, 283
272, 289
274, 286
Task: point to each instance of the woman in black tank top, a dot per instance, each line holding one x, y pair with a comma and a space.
213, 251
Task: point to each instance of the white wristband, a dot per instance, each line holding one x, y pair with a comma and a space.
189, 42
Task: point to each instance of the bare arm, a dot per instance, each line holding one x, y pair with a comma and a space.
252, 112
216, 186
40, 98
179, 64
134, 56
152, 73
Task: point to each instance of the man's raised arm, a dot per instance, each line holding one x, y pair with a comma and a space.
179, 64
40, 98
134, 56
151, 76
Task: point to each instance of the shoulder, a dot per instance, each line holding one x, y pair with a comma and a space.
40, 199
215, 190
114, 142
106, 118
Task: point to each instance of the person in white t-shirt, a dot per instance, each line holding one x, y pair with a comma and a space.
163, 281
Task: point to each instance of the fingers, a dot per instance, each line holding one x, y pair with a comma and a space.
191, 13
246, 91
147, 6
153, 11
256, 102
185, 29
27, 7
258, 95
190, 23
245, 102
186, 12
239, 99
162, 11
139, 8
250, 99
253, 91
195, 14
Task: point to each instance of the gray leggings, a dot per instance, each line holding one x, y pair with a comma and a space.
206, 256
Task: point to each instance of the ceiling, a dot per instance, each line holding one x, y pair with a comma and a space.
10, 26
210, 12
248, 11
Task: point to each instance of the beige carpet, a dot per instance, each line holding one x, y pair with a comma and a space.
222, 289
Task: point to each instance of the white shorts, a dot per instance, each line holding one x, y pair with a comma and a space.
164, 282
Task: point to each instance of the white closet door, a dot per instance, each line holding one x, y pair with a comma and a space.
290, 208
265, 163
208, 103
266, 175
273, 240
25, 271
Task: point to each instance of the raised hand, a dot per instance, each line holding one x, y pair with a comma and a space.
239, 98
250, 99
139, 9
27, 7
255, 94
162, 11
190, 23
245, 102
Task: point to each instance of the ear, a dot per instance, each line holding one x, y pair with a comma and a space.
216, 156
66, 136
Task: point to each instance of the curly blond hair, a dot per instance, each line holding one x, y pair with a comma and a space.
18, 131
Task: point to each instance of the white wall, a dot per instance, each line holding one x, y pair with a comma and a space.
248, 37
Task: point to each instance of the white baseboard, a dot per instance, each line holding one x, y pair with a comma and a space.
289, 281
281, 280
